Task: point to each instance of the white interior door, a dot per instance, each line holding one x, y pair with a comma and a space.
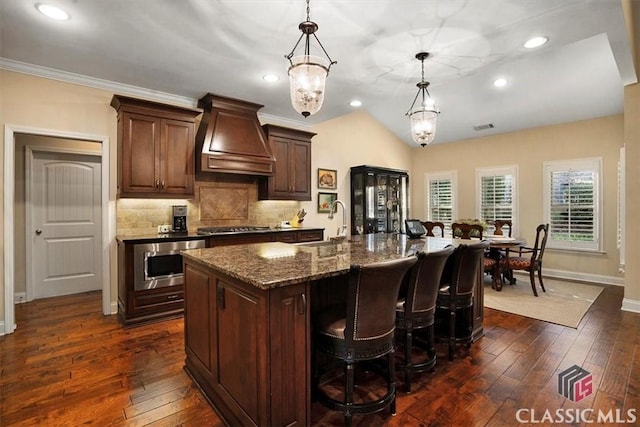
65, 213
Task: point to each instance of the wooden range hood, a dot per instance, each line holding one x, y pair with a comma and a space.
230, 138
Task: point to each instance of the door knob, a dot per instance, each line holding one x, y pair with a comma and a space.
38, 231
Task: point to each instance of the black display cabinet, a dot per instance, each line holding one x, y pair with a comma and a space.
379, 200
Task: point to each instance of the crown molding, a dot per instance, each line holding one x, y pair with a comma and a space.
281, 121
79, 79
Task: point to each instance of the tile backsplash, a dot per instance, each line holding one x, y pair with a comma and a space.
219, 201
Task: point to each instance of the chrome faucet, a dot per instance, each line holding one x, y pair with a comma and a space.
342, 231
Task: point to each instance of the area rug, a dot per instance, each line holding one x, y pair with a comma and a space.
564, 303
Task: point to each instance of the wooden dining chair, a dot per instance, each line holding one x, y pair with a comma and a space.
500, 225
466, 231
431, 225
527, 258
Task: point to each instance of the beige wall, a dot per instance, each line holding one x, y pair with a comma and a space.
528, 150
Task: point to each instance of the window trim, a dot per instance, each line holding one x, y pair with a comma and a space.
589, 163
451, 175
494, 171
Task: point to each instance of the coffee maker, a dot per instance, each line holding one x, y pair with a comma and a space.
179, 218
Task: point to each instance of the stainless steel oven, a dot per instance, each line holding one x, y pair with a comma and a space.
160, 264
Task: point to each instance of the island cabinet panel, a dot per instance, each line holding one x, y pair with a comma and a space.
199, 307
289, 363
249, 353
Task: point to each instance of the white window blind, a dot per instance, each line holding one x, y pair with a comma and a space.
440, 197
497, 193
572, 204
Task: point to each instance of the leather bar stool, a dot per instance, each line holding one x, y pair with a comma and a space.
361, 330
464, 268
415, 312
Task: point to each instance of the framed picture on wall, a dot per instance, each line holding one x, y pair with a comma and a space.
325, 200
327, 179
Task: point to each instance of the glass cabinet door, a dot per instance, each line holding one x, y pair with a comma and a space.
403, 203
381, 202
393, 204
357, 203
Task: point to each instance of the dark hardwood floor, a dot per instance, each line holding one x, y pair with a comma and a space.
68, 365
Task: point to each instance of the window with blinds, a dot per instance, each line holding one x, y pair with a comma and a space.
572, 204
440, 197
496, 194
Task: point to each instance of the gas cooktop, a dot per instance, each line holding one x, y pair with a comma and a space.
207, 231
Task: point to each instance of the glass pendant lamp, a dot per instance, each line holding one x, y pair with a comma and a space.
423, 117
308, 73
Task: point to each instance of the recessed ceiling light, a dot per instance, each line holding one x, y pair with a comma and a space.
501, 82
535, 42
270, 78
356, 103
52, 12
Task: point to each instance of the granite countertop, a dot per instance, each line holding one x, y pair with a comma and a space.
271, 265
193, 235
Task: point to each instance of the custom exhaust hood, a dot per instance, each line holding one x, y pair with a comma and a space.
230, 138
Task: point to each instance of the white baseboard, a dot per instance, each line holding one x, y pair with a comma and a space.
114, 307
631, 305
19, 297
4, 330
580, 277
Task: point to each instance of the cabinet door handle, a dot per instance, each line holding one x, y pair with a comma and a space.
162, 184
157, 183
302, 305
221, 298
173, 296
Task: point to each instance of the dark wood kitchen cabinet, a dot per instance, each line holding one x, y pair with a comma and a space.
156, 145
137, 307
247, 347
291, 179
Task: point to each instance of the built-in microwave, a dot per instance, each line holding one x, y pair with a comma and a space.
160, 264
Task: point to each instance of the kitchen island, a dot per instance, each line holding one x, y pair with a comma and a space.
248, 312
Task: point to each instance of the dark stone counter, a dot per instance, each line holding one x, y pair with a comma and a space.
271, 265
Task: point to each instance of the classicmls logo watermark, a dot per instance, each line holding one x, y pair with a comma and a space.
575, 383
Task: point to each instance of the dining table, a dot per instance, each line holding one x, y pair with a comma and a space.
498, 246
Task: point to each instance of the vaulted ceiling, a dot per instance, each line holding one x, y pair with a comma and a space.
180, 50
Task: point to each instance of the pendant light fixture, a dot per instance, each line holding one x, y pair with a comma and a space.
307, 73
423, 117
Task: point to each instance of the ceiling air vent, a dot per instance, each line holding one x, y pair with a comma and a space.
484, 127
